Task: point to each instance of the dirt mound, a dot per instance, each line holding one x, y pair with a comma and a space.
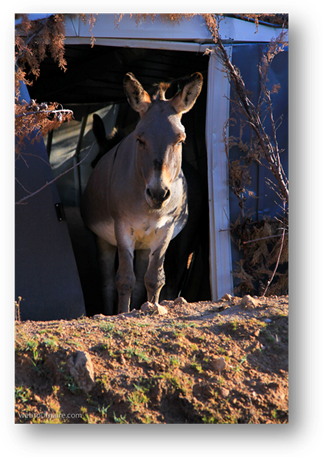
202, 362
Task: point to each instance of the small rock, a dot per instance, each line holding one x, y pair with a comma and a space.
99, 316
248, 302
81, 368
218, 364
25, 360
160, 309
180, 301
166, 302
267, 321
224, 392
226, 297
122, 360
147, 306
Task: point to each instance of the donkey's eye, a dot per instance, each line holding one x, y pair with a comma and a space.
142, 144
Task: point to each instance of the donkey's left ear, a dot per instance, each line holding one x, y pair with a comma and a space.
184, 100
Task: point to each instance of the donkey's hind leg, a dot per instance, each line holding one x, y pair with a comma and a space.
106, 260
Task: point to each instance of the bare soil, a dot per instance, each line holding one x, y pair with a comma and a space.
202, 362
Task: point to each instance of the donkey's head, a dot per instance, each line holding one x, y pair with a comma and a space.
160, 134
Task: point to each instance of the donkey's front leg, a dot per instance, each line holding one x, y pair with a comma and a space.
154, 282
155, 276
125, 278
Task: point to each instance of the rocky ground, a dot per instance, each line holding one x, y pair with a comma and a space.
205, 362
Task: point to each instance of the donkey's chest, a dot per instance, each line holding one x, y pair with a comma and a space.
140, 233
145, 232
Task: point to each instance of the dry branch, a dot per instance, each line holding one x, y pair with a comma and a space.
31, 194
262, 149
269, 148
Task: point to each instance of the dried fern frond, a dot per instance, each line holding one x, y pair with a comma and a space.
261, 251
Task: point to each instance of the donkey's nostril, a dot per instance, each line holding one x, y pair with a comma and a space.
167, 194
149, 193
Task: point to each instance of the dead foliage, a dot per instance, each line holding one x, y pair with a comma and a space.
34, 40
260, 243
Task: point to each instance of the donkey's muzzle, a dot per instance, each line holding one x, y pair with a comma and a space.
157, 197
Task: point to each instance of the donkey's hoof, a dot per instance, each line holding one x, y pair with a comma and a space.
158, 309
147, 306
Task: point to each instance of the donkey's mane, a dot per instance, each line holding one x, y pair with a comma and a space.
161, 90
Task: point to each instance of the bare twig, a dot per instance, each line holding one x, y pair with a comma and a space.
278, 257
262, 238
29, 154
26, 190
277, 263
22, 200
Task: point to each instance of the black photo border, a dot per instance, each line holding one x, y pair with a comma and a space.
305, 275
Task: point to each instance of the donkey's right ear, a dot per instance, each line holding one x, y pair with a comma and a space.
138, 98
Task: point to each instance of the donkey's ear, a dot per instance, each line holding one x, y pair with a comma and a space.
98, 129
184, 100
137, 97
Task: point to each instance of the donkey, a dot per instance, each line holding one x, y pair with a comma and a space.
136, 197
188, 241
